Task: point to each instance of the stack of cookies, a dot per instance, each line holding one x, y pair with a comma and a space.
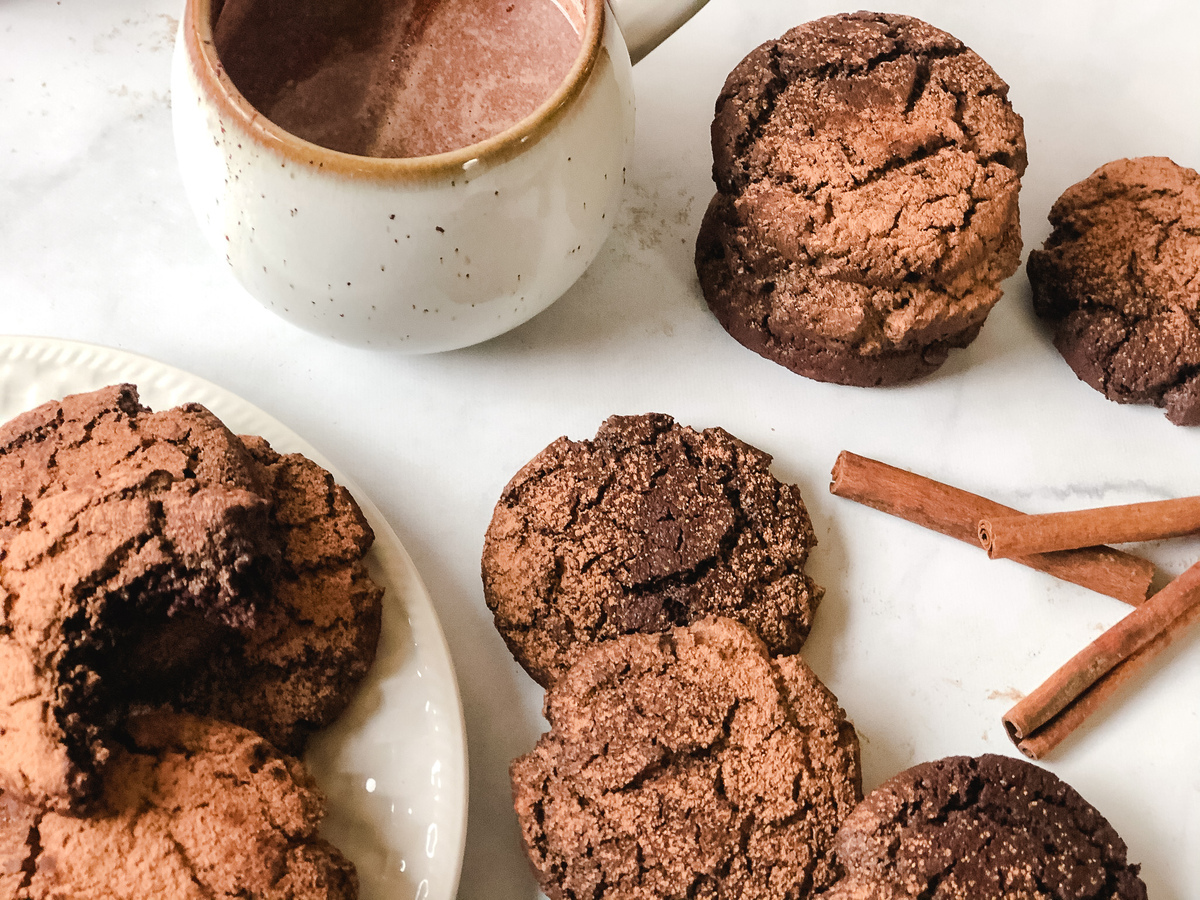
867, 170
178, 602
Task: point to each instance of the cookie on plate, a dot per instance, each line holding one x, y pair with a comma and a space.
648, 526
127, 537
867, 169
191, 809
687, 764
316, 636
986, 828
1118, 278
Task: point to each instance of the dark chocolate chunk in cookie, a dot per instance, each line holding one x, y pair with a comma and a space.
191, 809
648, 526
1120, 278
986, 828
687, 764
127, 539
316, 635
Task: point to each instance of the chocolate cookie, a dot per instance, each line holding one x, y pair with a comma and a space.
648, 526
687, 764
125, 537
313, 641
1117, 277
830, 329
867, 168
191, 809
987, 828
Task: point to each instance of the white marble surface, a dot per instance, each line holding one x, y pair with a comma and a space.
925, 642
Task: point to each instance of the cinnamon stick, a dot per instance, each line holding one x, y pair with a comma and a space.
956, 513
1055, 709
1004, 537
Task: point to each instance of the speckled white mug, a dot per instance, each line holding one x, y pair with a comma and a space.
421, 254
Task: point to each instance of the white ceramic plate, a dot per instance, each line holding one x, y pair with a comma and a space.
394, 767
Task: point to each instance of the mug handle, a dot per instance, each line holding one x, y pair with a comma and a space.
647, 23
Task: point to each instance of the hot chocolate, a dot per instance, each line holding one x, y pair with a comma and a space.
397, 78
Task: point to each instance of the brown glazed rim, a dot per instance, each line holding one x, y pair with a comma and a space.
217, 86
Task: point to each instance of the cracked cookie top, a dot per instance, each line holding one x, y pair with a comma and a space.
986, 828
648, 526
125, 537
1120, 277
830, 329
312, 643
192, 809
874, 148
104, 481
687, 764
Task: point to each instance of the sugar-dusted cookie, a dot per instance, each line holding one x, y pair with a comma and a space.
317, 633
647, 526
867, 168
986, 828
126, 538
830, 329
1118, 278
687, 764
191, 809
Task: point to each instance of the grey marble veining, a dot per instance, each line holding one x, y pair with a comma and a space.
925, 641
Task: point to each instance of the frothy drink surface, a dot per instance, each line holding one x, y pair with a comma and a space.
396, 77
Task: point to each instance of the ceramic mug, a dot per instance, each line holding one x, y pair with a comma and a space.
417, 254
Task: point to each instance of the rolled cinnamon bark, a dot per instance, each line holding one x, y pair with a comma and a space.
1063, 702
956, 513
1004, 537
